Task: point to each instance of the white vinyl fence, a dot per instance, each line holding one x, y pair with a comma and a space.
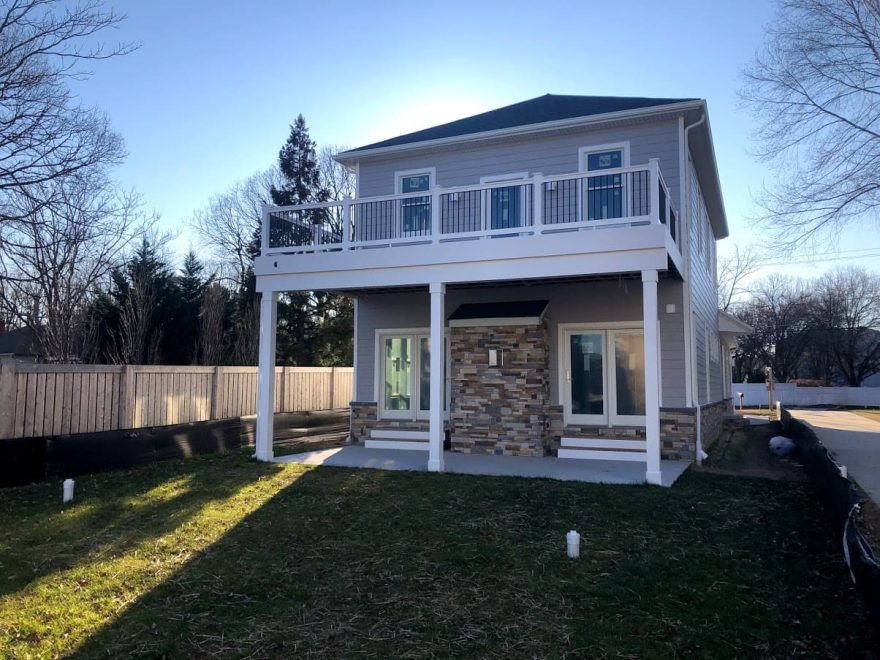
792, 395
44, 399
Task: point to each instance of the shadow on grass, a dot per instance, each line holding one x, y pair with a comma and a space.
342, 562
112, 513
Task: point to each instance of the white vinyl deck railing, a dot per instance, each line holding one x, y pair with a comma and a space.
625, 196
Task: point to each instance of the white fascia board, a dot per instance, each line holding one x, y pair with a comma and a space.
723, 231
543, 127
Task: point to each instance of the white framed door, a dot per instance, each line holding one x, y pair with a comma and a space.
584, 365
403, 374
602, 374
627, 377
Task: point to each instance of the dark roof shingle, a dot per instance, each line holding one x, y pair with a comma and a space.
550, 107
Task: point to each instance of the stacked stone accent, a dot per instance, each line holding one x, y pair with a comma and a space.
365, 418
678, 433
712, 421
502, 409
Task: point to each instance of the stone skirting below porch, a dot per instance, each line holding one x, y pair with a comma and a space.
365, 418
712, 419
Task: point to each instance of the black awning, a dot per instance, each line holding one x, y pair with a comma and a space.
500, 310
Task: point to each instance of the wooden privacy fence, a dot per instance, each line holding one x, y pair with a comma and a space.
43, 399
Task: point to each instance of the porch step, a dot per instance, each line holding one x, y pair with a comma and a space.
602, 449
397, 439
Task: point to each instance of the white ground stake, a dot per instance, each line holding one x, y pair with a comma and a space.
68, 490
573, 541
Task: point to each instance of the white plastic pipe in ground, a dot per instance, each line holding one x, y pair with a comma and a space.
573, 543
67, 495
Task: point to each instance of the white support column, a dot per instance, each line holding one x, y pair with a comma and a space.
654, 190
652, 375
438, 360
266, 389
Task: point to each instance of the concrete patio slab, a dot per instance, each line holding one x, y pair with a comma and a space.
547, 467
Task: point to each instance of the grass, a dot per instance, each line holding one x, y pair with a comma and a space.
221, 556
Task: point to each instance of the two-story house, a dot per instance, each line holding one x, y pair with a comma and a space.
535, 280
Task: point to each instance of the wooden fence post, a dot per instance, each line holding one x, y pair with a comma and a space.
126, 398
217, 401
282, 391
7, 396
332, 388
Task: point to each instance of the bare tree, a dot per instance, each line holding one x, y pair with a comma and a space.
45, 134
211, 325
136, 341
733, 270
779, 313
230, 222
335, 177
815, 89
51, 257
848, 315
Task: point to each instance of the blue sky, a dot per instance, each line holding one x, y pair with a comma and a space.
209, 96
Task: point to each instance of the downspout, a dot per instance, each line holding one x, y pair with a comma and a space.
689, 317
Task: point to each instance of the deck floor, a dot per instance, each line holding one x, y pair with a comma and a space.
547, 467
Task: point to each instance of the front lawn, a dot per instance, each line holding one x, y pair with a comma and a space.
224, 556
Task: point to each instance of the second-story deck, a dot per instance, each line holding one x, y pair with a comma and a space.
534, 216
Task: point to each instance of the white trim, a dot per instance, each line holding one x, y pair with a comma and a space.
397, 444
354, 373
602, 455
496, 178
396, 434
489, 320
413, 334
430, 171
607, 330
616, 419
583, 152
603, 443
541, 127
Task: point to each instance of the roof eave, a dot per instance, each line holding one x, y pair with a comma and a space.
347, 157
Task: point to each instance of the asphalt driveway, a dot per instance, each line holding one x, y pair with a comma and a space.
853, 440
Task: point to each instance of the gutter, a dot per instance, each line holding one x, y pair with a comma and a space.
690, 336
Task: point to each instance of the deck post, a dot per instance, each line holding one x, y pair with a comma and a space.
652, 375
438, 360
266, 389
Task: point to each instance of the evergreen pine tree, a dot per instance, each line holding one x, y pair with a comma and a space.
190, 292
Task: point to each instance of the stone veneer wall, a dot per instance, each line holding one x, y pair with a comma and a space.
365, 418
711, 421
678, 433
499, 410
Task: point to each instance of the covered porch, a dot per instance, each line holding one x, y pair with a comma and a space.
641, 453
541, 467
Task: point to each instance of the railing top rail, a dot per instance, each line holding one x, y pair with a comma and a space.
472, 187
306, 207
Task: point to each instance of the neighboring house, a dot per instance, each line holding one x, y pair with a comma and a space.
21, 344
527, 281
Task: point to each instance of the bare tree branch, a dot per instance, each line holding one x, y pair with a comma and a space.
815, 90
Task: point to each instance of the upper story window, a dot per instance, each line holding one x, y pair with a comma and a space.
604, 196
507, 208
415, 212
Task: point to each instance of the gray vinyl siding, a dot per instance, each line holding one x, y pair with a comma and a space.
548, 154
704, 297
591, 302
